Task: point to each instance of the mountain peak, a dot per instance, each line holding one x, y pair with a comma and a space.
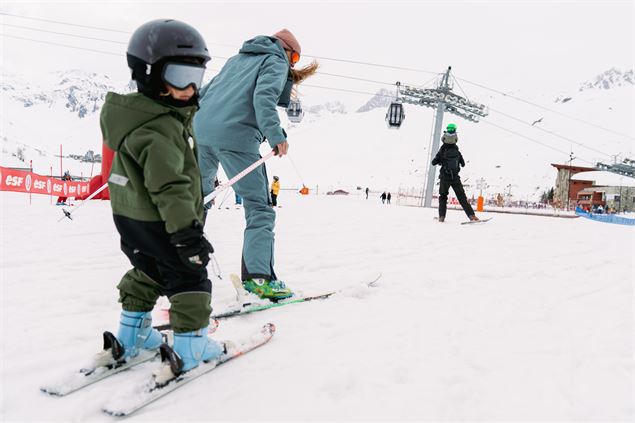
78, 91
382, 98
609, 79
334, 107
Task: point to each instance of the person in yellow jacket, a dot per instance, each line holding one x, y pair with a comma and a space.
275, 189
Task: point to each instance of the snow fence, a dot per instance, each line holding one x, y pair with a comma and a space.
606, 218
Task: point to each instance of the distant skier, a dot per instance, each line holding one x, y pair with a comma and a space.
451, 161
275, 190
367, 190
239, 200
155, 193
388, 197
383, 197
61, 201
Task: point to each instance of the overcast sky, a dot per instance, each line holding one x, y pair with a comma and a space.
508, 45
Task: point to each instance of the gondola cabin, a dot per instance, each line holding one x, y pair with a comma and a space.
295, 112
395, 115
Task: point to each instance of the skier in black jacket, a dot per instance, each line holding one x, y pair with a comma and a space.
451, 161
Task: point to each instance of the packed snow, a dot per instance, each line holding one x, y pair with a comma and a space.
521, 318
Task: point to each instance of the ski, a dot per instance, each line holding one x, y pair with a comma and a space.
252, 308
248, 307
470, 222
87, 376
149, 392
247, 303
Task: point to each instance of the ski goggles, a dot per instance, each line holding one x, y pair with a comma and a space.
182, 75
295, 57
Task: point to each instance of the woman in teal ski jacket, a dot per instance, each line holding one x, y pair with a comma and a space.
237, 113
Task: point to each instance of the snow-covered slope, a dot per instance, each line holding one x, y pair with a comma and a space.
523, 318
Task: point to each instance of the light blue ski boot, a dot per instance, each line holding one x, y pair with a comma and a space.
136, 333
194, 347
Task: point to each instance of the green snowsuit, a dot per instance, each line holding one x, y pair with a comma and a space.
155, 190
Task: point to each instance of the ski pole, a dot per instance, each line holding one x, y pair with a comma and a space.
224, 198
237, 178
206, 200
68, 213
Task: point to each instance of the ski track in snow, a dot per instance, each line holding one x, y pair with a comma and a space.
523, 318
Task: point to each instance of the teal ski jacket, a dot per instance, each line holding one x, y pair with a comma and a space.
238, 107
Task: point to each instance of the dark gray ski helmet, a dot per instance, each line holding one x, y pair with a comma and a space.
163, 38
156, 41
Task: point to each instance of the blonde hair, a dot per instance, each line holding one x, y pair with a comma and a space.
301, 74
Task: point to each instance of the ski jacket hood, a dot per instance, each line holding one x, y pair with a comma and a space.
263, 44
239, 106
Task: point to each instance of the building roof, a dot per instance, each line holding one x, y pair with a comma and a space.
572, 168
605, 179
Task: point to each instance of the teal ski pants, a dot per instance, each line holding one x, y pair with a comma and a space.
258, 243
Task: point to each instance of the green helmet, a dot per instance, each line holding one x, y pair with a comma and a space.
451, 127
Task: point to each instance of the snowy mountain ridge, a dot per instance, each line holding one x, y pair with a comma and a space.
381, 99
81, 93
330, 107
513, 156
609, 79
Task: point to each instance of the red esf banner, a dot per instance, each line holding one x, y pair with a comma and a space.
23, 181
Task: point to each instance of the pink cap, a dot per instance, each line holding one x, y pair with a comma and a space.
288, 40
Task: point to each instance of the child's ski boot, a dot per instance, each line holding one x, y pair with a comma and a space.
189, 351
135, 334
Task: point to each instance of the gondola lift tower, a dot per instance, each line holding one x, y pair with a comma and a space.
443, 100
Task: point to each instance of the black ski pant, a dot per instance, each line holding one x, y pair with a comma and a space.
444, 188
157, 270
274, 199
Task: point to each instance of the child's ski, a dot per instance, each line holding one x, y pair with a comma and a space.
149, 392
94, 373
87, 376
